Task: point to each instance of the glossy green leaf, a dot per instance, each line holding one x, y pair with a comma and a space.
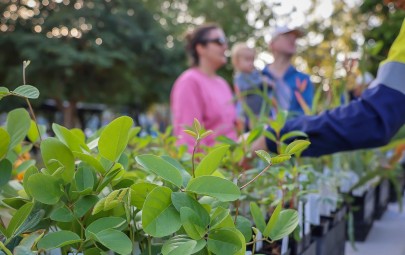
90, 160
258, 217
192, 224
33, 134
264, 156
18, 218
297, 146
15, 202
292, 134
84, 179
139, 192
67, 137
280, 158
44, 188
175, 247
114, 138
55, 154
62, 214
181, 199
226, 241
221, 218
286, 222
18, 124
161, 168
115, 240
27, 91
32, 221
84, 204
5, 171
58, 239
254, 134
211, 162
159, 217
176, 240
213, 186
4, 142
245, 227
273, 220
103, 224
184, 174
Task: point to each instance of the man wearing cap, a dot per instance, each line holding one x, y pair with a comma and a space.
368, 122
293, 90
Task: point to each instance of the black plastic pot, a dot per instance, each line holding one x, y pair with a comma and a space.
382, 197
333, 242
363, 216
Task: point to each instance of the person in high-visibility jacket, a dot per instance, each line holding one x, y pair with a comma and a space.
371, 121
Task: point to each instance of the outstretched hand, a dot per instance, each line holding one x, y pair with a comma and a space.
398, 3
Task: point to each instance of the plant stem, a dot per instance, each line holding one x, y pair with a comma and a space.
197, 143
4, 248
237, 210
33, 116
150, 246
257, 176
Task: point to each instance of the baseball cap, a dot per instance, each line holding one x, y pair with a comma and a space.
284, 30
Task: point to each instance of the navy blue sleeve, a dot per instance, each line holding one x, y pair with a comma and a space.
371, 121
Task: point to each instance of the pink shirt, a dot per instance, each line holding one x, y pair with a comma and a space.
208, 99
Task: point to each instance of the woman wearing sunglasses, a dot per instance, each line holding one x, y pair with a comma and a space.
199, 92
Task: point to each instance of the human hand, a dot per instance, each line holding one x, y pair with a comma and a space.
398, 3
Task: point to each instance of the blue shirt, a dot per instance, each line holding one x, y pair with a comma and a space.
285, 89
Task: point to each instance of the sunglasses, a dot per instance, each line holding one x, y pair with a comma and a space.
218, 41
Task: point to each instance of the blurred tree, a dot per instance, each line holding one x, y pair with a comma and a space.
93, 51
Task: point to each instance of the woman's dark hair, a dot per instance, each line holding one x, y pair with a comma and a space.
195, 37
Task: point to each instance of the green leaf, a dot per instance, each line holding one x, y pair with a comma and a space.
4, 92
181, 199
226, 241
33, 134
27, 91
22, 250
55, 154
18, 124
159, 217
254, 134
84, 179
5, 171
161, 168
264, 156
31, 239
62, 214
221, 218
115, 240
4, 142
192, 224
58, 239
184, 174
114, 138
44, 188
84, 204
175, 247
103, 224
292, 134
280, 158
211, 162
258, 217
139, 192
25, 165
91, 161
67, 137
297, 146
18, 218
273, 220
245, 227
269, 135
30, 171
286, 223
213, 186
